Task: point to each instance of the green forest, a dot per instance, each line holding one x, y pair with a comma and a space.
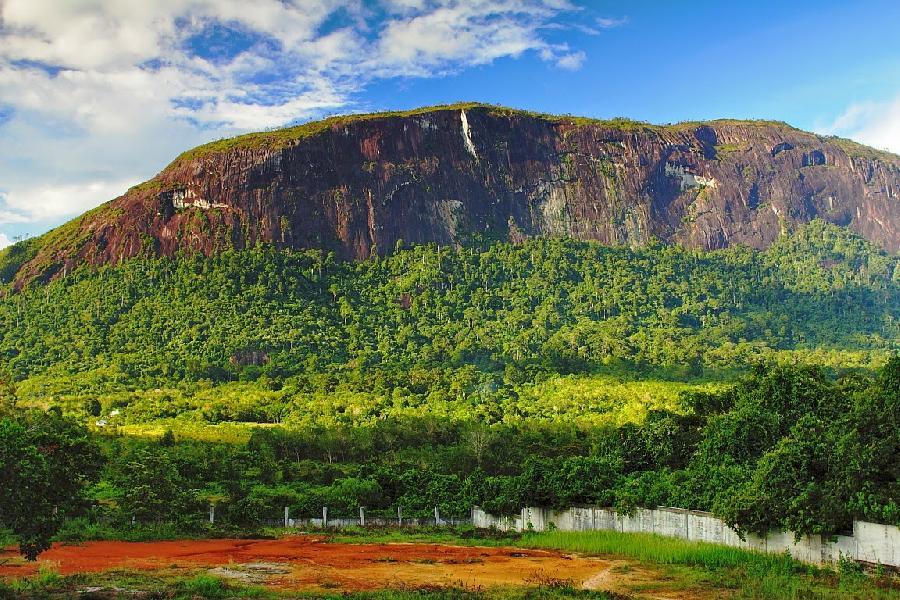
442, 329
760, 385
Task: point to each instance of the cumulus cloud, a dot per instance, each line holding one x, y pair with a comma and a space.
95, 95
876, 124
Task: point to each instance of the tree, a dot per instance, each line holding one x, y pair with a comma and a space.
168, 438
7, 393
46, 463
93, 407
791, 488
152, 489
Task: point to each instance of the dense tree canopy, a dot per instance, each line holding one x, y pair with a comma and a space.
563, 306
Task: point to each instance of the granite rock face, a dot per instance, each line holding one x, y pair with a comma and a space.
357, 185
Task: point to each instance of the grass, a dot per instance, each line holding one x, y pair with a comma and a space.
207, 586
44, 580
644, 547
857, 150
710, 568
657, 549
746, 574
82, 529
279, 138
175, 586
193, 586
608, 400
460, 536
7, 538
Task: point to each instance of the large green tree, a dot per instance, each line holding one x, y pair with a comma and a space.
46, 463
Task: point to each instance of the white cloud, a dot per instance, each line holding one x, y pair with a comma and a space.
470, 33
572, 61
611, 22
97, 94
4, 241
875, 124
44, 203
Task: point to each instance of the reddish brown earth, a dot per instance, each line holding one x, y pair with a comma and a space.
308, 562
358, 185
310, 558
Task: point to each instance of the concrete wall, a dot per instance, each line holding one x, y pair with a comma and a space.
340, 522
870, 542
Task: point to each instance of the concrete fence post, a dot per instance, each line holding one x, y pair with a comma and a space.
324, 517
212, 513
362, 516
287, 520
400, 516
437, 516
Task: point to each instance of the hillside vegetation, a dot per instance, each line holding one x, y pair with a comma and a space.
455, 322
758, 385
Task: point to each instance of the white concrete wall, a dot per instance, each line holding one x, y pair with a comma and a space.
870, 542
877, 543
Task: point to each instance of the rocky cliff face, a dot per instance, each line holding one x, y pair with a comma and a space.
357, 185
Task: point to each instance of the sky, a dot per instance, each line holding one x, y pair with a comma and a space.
97, 95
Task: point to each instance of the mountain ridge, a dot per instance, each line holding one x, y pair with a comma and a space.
357, 185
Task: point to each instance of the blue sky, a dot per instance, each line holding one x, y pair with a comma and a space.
96, 96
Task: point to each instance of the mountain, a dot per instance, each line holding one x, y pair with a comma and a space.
357, 185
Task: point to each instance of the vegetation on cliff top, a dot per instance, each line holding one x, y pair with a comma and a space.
279, 138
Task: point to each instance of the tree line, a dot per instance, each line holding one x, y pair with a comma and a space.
787, 448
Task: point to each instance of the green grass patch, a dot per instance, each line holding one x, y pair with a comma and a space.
607, 400
192, 586
663, 550
82, 529
460, 536
207, 586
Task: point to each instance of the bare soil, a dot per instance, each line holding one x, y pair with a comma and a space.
311, 563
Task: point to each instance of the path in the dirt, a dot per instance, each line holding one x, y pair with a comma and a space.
308, 562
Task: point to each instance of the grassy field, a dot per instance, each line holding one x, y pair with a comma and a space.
590, 400
747, 574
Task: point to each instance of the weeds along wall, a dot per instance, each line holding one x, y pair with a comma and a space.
870, 542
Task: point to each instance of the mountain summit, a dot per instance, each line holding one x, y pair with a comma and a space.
357, 185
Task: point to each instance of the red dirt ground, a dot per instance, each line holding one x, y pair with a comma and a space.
310, 562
